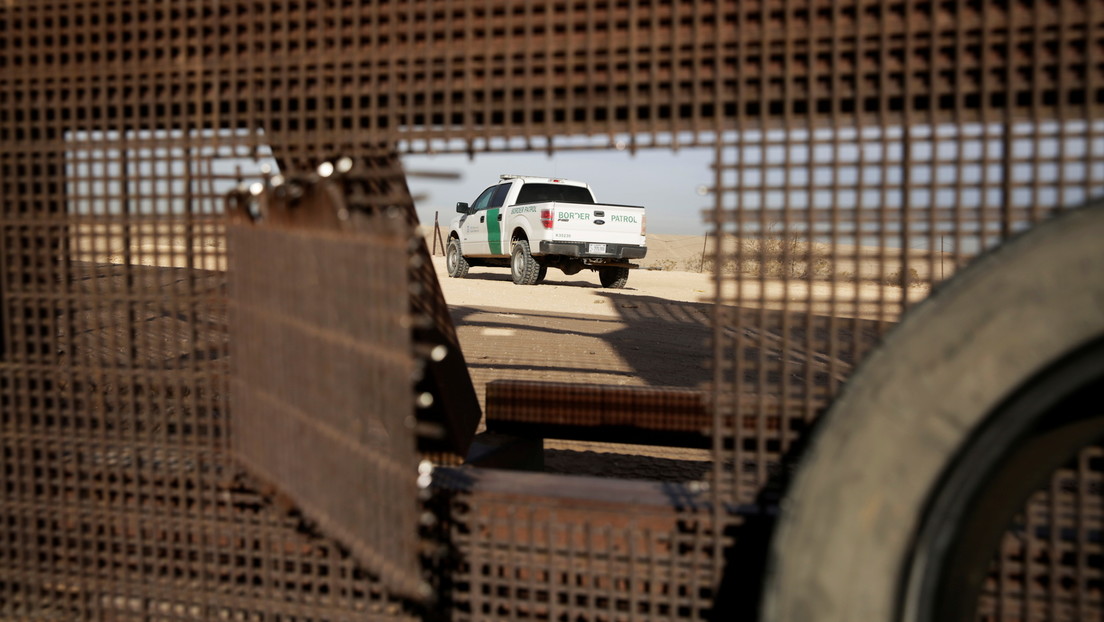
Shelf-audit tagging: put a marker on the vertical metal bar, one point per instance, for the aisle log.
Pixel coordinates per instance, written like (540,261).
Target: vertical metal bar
(310,69)
(652,59)
(984,93)
(633,86)
(938,128)
(1029,564)
(1054,519)
(835,98)
(959,119)
(862,132)
(552,14)
(414,71)
(676,71)
(786,235)
(1033,126)
(591,97)
(1090,84)
(887,136)
(762,324)
(1083,527)
(908,155)
(531,567)
(633,583)
(589,571)
(492,62)
(528,75)
(734,409)
(696,78)
(613,53)
(571,568)
(1008,160)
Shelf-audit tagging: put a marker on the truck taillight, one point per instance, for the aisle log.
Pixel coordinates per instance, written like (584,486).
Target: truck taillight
(644,225)
(546,218)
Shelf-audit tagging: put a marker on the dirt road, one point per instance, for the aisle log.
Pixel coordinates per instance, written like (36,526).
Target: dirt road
(654,332)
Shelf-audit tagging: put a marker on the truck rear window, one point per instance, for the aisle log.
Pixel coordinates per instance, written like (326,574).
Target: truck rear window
(543,193)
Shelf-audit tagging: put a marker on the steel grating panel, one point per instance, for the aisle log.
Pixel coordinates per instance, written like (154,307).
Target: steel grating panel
(119,497)
(120,500)
(834,226)
(553,547)
(1048,566)
(321,394)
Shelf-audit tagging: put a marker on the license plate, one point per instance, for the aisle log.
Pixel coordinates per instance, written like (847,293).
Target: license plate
(596,248)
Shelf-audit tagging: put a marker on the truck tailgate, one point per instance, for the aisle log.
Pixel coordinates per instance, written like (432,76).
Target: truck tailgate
(614,224)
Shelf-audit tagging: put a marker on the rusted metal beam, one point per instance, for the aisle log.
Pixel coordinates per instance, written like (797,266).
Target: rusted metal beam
(668,416)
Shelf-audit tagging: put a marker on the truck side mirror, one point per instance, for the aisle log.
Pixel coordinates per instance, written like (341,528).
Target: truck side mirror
(462,208)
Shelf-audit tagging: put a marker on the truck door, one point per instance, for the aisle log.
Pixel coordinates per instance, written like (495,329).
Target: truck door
(483,229)
(473,227)
(496,223)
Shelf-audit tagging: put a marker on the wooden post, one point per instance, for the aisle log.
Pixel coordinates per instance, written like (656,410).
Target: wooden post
(437,235)
(705,242)
(435,225)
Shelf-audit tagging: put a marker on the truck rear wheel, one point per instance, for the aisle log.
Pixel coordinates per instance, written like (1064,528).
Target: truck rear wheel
(898,505)
(455,263)
(543,272)
(614,278)
(523,268)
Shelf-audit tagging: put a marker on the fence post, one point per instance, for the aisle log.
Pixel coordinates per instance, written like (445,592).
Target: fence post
(437,236)
(705,242)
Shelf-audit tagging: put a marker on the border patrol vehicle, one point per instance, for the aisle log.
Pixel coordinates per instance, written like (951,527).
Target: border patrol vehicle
(531,224)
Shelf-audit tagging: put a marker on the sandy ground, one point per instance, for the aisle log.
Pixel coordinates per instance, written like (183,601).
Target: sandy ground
(580,293)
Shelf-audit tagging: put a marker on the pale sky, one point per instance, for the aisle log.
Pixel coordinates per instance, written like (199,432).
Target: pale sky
(666,183)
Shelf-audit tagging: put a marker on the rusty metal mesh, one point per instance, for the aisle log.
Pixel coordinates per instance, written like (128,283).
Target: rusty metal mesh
(120,499)
(548,547)
(865,150)
(887,145)
(1048,566)
(321,391)
(886,156)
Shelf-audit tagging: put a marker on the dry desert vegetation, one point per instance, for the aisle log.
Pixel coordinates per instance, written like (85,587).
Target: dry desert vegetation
(777,256)
(201,244)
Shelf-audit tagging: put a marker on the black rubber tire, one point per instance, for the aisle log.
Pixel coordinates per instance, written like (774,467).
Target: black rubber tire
(455,264)
(523,268)
(543,272)
(846,547)
(613,278)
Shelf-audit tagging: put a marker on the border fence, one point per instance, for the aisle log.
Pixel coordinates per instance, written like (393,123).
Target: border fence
(229,385)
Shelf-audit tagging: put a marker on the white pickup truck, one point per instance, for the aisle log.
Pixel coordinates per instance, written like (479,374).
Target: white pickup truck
(532,224)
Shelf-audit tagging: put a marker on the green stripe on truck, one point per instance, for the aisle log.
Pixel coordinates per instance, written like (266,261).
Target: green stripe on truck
(494,231)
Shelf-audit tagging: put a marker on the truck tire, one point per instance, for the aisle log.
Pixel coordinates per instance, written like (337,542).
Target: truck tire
(455,263)
(543,272)
(897,507)
(523,268)
(614,278)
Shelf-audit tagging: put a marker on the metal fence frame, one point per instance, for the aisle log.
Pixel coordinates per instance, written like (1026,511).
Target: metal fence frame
(854,142)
